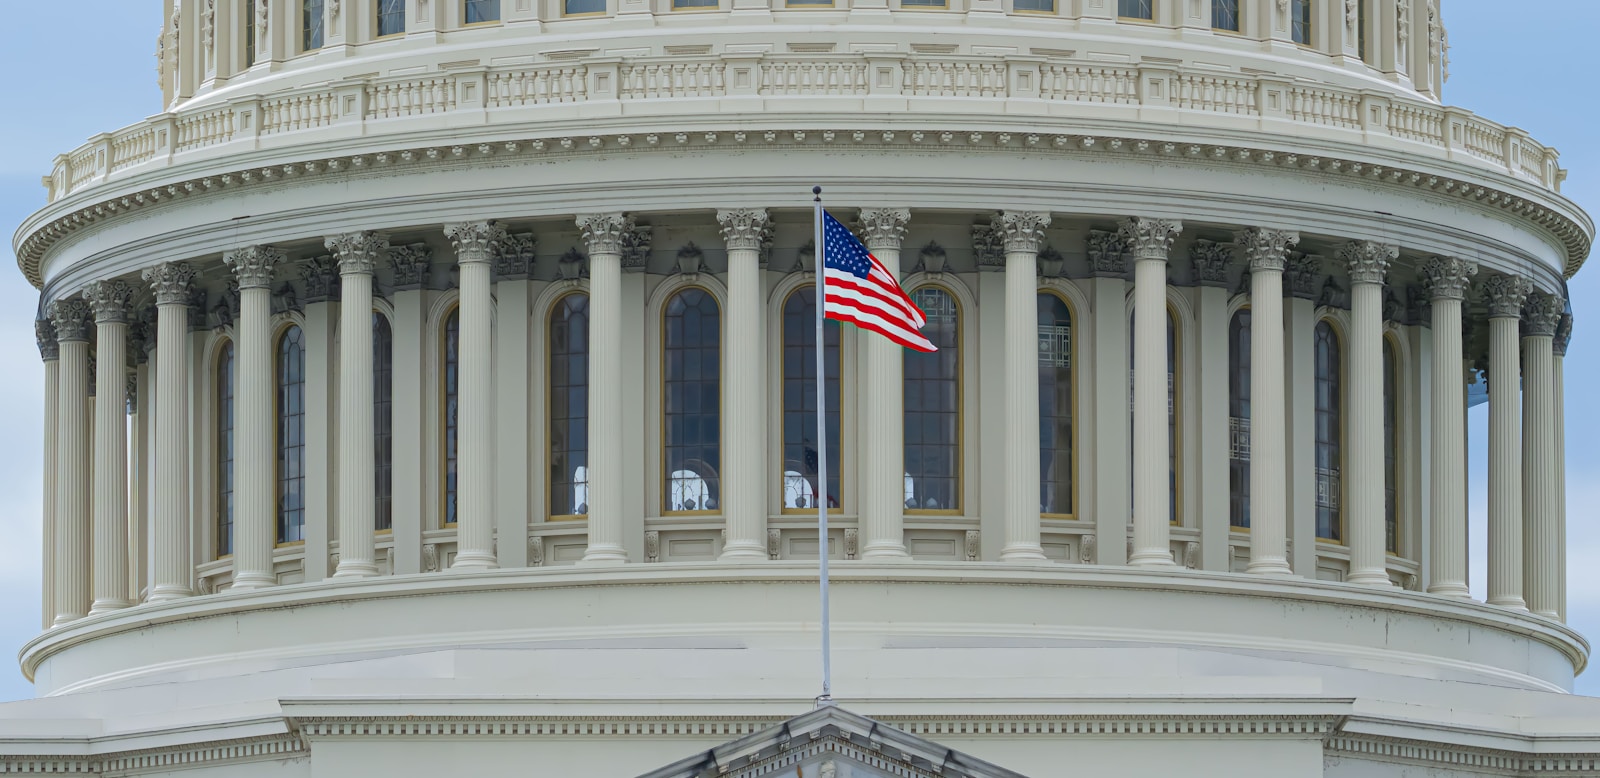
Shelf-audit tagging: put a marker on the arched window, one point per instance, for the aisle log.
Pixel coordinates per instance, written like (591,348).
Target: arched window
(1329,382)
(1174,403)
(1136,9)
(391,17)
(1057,405)
(225,450)
(1391,450)
(451,348)
(291,435)
(800,402)
(933,407)
(692,402)
(478,11)
(1239,419)
(1300,21)
(382,422)
(569,406)
(311,21)
(1225,15)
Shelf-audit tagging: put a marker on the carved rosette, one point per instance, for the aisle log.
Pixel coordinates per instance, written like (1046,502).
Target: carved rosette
(110,301)
(44,333)
(71,320)
(882,228)
(171,282)
(744,229)
(1448,278)
(603,232)
(321,278)
(1368,261)
(1211,262)
(474,241)
(411,265)
(1541,314)
(1149,238)
(1021,231)
(514,257)
(1107,253)
(1563,335)
(357,252)
(253,265)
(988,247)
(1505,295)
(1266,249)
(1300,275)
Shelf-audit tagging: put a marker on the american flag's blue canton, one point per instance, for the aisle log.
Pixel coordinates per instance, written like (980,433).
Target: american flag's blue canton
(843,251)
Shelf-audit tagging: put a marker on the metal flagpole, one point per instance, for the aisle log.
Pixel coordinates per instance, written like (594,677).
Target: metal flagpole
(820,494)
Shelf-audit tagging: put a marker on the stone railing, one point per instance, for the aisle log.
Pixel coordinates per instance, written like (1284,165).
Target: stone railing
(1032,88)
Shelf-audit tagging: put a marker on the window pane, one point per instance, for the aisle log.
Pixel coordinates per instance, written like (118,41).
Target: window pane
(1225,15)
(1361,28)
(452,386)
(932,410)
(569,406)
(383,421)
(692,402)
(1056,406)
(1391,444)
(482,11)
(311,19)
(1329,433)
(585,7)
(1300,21)
(250,32)
(1135,9)
(225,450)
(800,402)
(1043,6)
(694,3)
(391,17)
(291,436)
(1239,419)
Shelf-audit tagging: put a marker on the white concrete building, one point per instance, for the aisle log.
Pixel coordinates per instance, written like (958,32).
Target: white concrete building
(429,392)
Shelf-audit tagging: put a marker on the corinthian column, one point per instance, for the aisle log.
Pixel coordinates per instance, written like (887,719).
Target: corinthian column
(744,504)
(475,244)
(1540,315)
(1150,240)
(254,533)
(110,303)
(1368,263)
(71,320)
(357,254)
(605,234)
(1506,295)
(49,351)
(1559,352)
(1448,279)
(1023,233)
(883,494)
(169,530)
(1267,250)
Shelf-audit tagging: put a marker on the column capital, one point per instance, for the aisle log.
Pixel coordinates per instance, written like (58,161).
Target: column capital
(70,318)
(1106,250)
(1021,230)
(605,233)
(1541,314)
(171,282)
(253,265)
(1448,278)
(1368,261)
(411,264)
(746,229)
(1506,295)
(44,332)
(110,301)
(357,252)
(882,228)
(1301,273)
(474,241)
(1563,335)
(1211,260)
(1149,238)
(1266,249)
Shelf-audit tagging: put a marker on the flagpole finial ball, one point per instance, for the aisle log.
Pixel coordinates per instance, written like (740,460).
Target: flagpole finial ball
(816,190)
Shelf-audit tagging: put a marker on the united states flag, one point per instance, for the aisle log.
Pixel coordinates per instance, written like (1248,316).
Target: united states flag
(859,290)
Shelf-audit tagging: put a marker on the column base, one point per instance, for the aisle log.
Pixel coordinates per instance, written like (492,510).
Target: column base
(475,560)
(1023,553)
(1151,558)
(106,606)
(743,551)
(1278,567)
(1455,589)
(244,581)
(1378,578)
(356,569)
(168,593)
(886,552)
(604,554)
(1509,603)
(63,619)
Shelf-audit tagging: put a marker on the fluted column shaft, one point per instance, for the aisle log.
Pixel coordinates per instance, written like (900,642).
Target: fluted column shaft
(357,254)
(1558,390)
(744,481)
(71,319)
(109,300)
(1150,240)
(1506,294)
(1368,263)
(1023,233)
(255,533)
(475,243)
(1267,251)
(50,352)
(605,234)
(1448,280)
(169,526)
(1540,548)
(882,433)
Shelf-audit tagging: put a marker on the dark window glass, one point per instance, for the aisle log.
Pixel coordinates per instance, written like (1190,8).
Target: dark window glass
(1361,28)
(391,17)
(584,7)
(1225,15)
(1239,419)
(383,421)
(800,402)
(692,402)
(694,3)
(569,406)
(1042,6)
(452,396)
(250,32)
(923,3)
(225,450)
(1056,406)
(291,436)
(311,20)
(1172,414)
(1391,446)
(932,387)
(1136,9)
(1300,21)
(1329,433)
(482,11)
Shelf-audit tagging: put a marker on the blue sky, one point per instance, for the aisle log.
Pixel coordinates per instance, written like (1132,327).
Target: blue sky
(1520,67)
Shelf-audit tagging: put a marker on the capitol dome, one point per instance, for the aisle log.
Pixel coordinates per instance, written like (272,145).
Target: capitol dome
(430,390)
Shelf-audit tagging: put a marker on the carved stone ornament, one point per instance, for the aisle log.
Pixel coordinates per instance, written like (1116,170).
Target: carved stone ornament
(226,310)
(774,544)
(1022,231)
(170,281)
(1266,249)
(882,228)
(603,232)
(652,546)
(1563,335)
(744,229)
(475,241)
(333,10)
(572,266)
(1150,238)
(1541,314)
(1448,278)
(636,247)
(1393,309)
(197,310)
(357,252)
(1051,262)
(513,258)
(208,25)
(1107,254)
(1334,295)
(1350,14)
(1419,306)
(1300,275)
(1211,262)
(852,543)
(141,335)
(285,299)
(1505,295)
(254,265)
(933,259)
(130,393)
(430,558)
(320,278)
(536,552)
(1086,549)
(988,247)
(1368,261)
(411,265)
(333,560)
(1191,555)
(691,260)
(44,333)
(110,301)
(973,540)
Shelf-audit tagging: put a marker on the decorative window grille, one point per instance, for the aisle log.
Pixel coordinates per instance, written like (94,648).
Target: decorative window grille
(932,392)
(692,401)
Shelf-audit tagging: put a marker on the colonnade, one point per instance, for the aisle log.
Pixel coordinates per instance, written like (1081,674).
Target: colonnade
(86,529)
